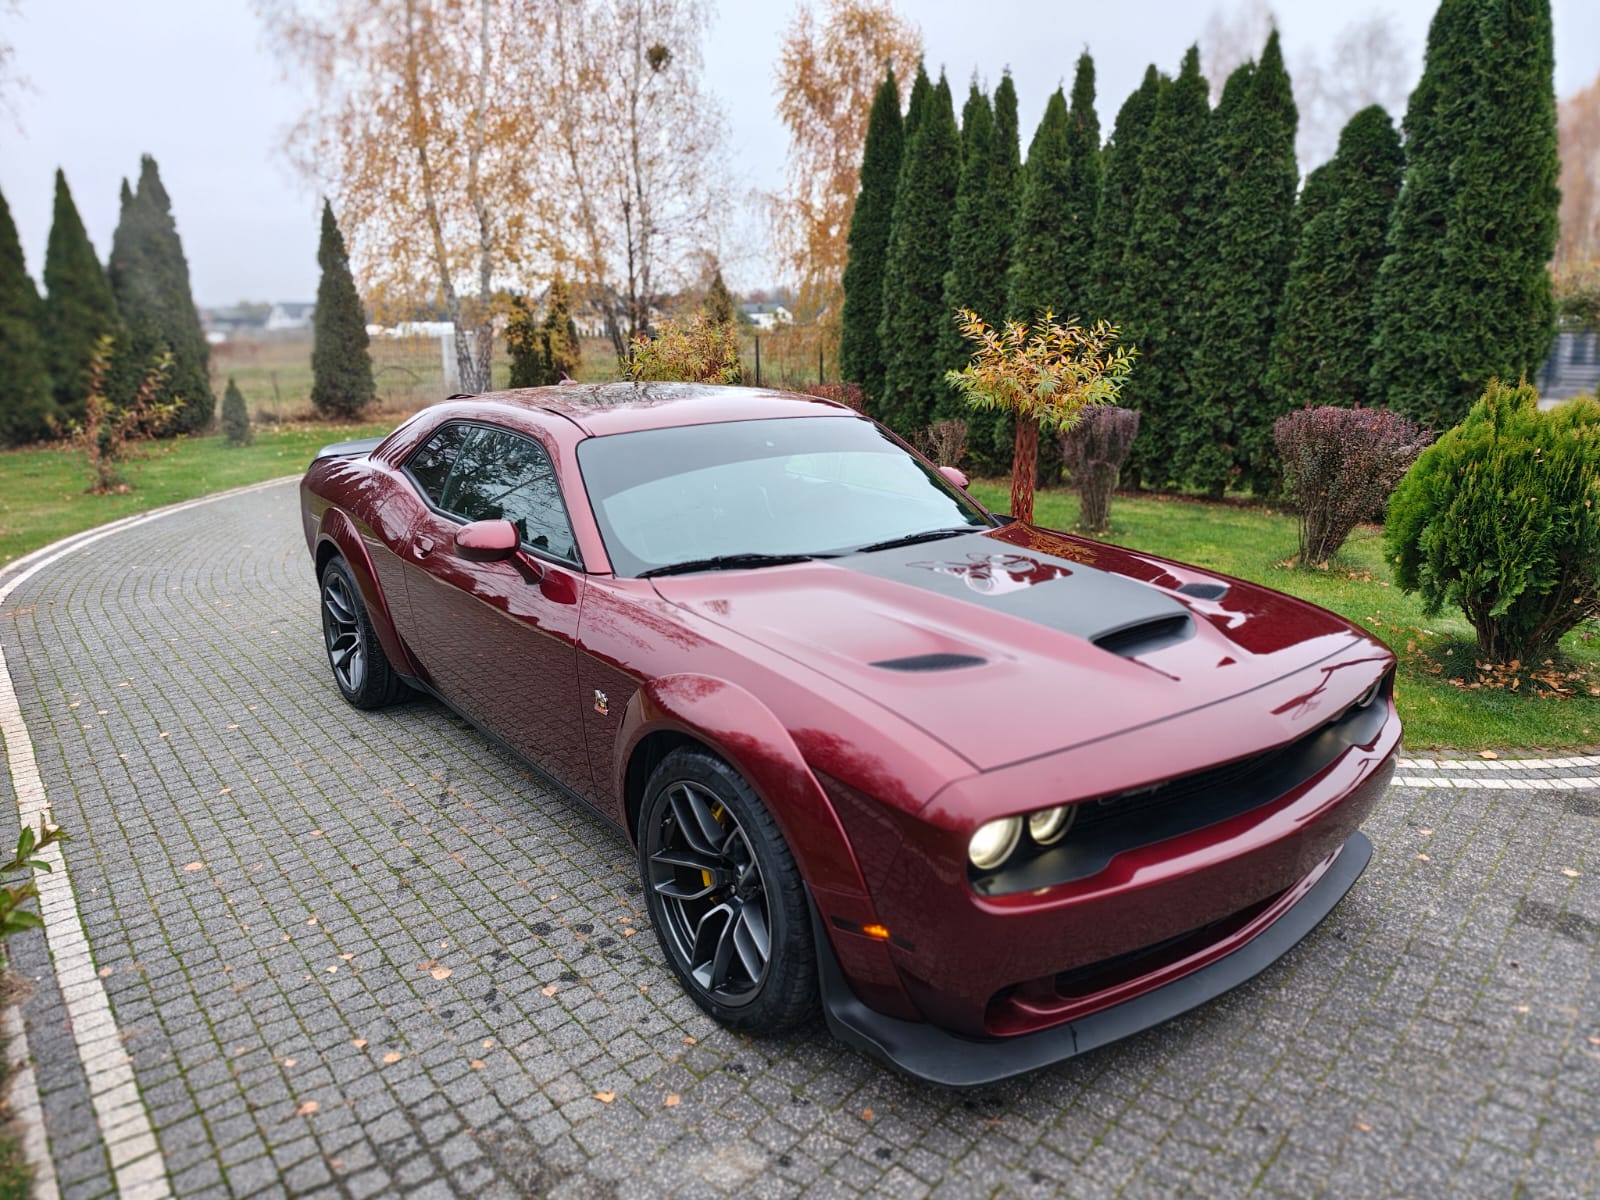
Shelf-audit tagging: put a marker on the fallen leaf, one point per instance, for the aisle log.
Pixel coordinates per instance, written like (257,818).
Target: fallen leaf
(488,1043)
(1487,754)
(1425,832)
(194,866)
(393,1057)
(427,964)
(106,972)
(315,833)
(289,1062)
(225,792)
(312,921)
(548,991)
(306,1109)
(605,1097)
(477,1064)
(1424,858)
(672,1101)
(359,1043)
(1594,1041)
(333,970)
(1364,1127)
(1570,873)
(866,1114)
(689,1041)
(441,972)
(629,932)
(1522,1008)
(346,957)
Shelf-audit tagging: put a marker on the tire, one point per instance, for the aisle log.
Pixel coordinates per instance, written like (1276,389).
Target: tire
(725,896)
(360,667)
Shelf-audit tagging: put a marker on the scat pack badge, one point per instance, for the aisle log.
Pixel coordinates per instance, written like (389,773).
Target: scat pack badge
(600,703)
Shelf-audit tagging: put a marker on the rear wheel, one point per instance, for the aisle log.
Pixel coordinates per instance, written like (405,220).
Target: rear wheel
(360,667)
(725,895)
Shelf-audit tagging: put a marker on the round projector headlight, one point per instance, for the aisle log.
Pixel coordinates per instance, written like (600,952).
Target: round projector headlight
(1049,825)
(994,842)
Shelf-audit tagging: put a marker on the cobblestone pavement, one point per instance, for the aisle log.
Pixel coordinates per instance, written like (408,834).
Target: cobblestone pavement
(366,954)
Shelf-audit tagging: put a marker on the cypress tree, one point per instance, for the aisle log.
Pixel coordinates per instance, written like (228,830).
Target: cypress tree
(1320,345)
(150,280)
(1230,427)
(860,356)
(341,366)
(1414,298)
(1502,223)
(530,359)
(78,309)
(919,256)
(719,304)
(235,416)
(562,349)
(977,239)
(1164,267)
(1118,193)
(27,411)
(1039,266)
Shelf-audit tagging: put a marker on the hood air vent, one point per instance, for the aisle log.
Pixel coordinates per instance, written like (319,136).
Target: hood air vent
(1204,591)
(931,662)
(1146,636)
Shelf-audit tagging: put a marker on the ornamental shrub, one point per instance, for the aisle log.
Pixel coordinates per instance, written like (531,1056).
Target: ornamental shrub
(1500,517)
(1339,466)
(1094,450)
(695,351)
(944,442)
(235,416)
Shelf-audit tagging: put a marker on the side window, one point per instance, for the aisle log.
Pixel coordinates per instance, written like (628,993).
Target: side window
(430,465)
(499,475)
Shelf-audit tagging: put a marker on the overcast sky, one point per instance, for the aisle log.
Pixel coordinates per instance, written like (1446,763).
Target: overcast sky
(193,84)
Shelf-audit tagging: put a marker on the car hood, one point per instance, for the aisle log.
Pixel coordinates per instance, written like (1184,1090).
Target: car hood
(1011,643)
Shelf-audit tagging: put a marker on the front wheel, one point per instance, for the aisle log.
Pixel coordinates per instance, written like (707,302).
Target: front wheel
(360,667)
(725,896)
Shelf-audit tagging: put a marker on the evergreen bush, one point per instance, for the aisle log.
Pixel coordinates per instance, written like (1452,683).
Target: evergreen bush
(1339,467)
(1094,450)
(27,410)
(1501,518)
(235,416)
(860,355)
(341,365)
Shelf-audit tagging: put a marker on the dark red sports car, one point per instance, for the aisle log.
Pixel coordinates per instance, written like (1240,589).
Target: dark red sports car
(989,794)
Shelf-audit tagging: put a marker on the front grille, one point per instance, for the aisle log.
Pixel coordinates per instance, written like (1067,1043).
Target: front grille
(1110,825)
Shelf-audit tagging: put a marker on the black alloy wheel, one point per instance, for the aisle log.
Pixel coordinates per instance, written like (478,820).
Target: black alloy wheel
(360,667)
(725,896)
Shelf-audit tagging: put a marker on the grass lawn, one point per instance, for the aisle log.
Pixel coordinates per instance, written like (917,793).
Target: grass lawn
(42,494)
(1444,699)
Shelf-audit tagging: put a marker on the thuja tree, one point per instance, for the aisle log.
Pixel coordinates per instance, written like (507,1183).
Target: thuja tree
(977,238)
(919,256)
(341,364)
(1228,432)
(1501,518)
(235,416)
(1164,266)
(150,280)
(1320,347)
(544,351)
(78,309)
(1044,374)
(27,412)
(1118,193)
(860,355)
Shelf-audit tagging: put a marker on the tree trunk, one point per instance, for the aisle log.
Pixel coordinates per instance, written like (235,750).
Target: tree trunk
(1024,464)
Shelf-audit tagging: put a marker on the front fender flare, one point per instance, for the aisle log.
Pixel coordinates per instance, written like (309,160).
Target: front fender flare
(338,531)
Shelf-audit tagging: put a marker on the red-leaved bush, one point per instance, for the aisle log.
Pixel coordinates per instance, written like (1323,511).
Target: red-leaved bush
(1339,467)
(848,394)
(1094,450)
(944,441)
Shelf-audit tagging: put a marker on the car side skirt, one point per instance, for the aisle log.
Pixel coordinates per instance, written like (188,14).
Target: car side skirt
(937,1056)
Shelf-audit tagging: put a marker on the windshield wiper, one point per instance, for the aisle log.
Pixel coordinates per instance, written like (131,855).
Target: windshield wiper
(911,539)
(729,562)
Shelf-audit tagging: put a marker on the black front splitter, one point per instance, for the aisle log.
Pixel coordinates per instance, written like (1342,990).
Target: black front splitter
(938,1056)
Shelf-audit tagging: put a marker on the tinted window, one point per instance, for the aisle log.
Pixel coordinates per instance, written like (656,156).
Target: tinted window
(498,475)
(430,466)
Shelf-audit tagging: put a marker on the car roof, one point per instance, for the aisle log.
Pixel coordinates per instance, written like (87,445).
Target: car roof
(605,408)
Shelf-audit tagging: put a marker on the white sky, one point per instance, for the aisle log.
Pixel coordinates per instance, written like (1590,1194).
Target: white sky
(193,84)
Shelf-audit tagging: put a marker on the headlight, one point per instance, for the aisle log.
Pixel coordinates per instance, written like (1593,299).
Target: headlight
(1047,826)
(994,842)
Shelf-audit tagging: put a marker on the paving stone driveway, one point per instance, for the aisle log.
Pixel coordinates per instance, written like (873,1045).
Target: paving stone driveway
(367,955)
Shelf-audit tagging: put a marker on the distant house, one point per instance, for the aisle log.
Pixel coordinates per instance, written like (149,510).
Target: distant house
(285,318)
(767,316)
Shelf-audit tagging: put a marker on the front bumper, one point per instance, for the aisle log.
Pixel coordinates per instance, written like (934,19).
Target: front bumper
(938,1056)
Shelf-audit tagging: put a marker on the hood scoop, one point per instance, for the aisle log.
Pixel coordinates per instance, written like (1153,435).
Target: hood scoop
(1145,637)
(917,663)
(1204,591)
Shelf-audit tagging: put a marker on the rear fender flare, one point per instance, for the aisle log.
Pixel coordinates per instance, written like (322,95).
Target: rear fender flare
(338,534)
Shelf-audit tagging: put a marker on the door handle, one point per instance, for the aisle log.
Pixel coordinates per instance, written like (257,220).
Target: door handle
(424,546)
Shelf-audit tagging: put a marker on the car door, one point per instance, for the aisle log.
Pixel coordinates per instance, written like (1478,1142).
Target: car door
(498,640)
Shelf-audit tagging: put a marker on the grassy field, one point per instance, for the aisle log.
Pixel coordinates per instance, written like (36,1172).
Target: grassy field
(42,494)
(1443,696)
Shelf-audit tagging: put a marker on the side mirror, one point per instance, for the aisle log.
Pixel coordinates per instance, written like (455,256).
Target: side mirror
(487,541)
(955,475)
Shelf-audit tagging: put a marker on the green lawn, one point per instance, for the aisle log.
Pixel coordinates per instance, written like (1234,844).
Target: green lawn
(42,494)
(1256,543)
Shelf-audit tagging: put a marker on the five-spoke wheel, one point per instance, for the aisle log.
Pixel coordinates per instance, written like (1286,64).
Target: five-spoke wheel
(725,896)
(360,667)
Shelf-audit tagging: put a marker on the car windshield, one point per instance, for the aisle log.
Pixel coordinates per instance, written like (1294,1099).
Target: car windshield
(785,488)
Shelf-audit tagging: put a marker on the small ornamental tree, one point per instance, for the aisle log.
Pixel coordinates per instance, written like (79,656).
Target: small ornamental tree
(695,351)
(1094,450)
(1044,374)
(341,365)
(1339,466)
(235,416)
(529,367)
(110,431)
(1501,517)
